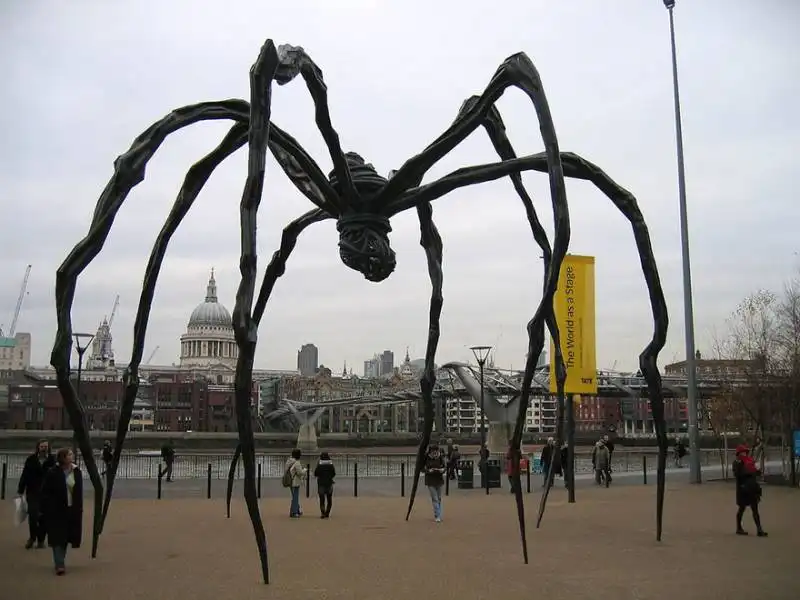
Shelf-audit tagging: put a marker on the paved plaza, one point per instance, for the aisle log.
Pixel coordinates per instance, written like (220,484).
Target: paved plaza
(602,546)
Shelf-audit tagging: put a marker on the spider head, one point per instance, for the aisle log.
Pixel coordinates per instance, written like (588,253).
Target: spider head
(364,245)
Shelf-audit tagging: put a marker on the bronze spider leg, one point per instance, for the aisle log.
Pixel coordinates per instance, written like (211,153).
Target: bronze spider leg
(195,179)
(275,269)
(294,61)
(128,172)
(579,168)
(517,71)
(431,241)
(495,128)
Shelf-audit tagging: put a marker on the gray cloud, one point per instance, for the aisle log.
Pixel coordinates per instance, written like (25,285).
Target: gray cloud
(79,85)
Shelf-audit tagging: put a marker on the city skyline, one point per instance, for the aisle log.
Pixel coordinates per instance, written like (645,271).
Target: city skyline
(615,109)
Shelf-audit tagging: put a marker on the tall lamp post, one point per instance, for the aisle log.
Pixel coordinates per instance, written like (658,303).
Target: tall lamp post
(481,354)
(82,341)
(695,474)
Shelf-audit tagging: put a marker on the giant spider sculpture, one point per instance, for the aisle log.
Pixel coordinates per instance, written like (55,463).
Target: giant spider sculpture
(362,202)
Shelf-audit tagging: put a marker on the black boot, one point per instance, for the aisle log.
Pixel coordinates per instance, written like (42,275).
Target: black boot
(739,530)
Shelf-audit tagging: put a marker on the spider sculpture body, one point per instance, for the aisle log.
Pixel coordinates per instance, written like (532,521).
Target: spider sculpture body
(362,202)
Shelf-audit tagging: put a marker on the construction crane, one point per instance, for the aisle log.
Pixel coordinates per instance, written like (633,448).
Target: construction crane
(113,311)
(22,292)
(152,354)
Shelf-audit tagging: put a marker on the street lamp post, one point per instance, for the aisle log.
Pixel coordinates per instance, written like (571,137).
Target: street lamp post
(82,341)
(481,354)
(695,474)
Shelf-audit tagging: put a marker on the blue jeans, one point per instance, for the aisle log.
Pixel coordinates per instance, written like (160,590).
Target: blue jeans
(294,508)
(436,499)
(59,556)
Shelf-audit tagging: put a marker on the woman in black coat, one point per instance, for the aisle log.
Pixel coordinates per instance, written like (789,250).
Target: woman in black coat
(62,507)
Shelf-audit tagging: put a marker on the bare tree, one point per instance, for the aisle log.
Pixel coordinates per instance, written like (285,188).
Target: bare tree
(788,338)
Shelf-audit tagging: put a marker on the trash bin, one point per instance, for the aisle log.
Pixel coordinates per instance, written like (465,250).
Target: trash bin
(493,472)
(466,474)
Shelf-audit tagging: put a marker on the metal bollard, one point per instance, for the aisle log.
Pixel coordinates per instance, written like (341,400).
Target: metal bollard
(160,477)
(3,481)
(446,483)
(258,481)
(644,469)
(308,481)
(402,480)
(528,476)
(208,489)
(355,480)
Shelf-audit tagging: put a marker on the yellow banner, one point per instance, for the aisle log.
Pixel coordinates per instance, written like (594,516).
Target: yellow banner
(574,308)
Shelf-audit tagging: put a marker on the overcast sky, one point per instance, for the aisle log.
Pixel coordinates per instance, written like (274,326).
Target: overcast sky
(82,79)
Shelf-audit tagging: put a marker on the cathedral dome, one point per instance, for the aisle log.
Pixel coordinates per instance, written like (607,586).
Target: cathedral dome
(210,313)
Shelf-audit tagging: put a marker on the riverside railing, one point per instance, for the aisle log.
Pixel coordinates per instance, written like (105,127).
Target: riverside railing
(271,465)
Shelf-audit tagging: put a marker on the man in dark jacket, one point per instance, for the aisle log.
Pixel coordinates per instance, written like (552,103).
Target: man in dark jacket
(30,484)
(325,472)
(168,454)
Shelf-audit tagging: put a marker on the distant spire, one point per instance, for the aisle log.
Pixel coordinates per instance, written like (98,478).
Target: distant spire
(344,370)
(211,290)
(408,359)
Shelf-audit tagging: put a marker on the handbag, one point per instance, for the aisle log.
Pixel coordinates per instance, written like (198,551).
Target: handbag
(20,510)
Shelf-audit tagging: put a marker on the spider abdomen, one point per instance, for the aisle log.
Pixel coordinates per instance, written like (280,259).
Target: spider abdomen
(364,245)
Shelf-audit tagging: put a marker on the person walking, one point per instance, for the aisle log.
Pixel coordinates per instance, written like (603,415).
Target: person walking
(601,460)
(62,507)
(748,490)
(325,472)
(30,486)
(546,459)
(107,456)
(434,479)
(294,475)
(168,455)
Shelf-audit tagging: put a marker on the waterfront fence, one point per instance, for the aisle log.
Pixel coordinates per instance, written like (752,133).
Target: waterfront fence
(196,466)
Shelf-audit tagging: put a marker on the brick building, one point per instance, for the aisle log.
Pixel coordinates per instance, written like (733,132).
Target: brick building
(176,405)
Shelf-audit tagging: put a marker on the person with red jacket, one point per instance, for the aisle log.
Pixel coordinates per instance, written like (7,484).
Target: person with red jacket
(748,490)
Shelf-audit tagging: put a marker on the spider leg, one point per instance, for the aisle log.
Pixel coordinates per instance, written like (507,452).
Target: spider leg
(516,71)
(495,128)
(302,170)
(129,171)
(195,179)
(294,61)
(579,168)
(276,268)
(431,241)
(245,330)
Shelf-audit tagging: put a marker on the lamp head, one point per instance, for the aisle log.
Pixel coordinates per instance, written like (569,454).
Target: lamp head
(670,4)
(481,353)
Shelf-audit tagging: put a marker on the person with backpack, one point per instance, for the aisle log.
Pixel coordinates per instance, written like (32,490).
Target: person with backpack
(293,476)
(325,472)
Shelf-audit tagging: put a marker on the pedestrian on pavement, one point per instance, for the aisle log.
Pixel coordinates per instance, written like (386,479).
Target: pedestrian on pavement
(325,472)
(107,456)
(748,490)
(610,445)
(62,507)
(483,460)
(168,455)
(601,461)
(566,467)
(452,462)
(30,486)
(295,474)
(434,479)
(680,453)
(546,459)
